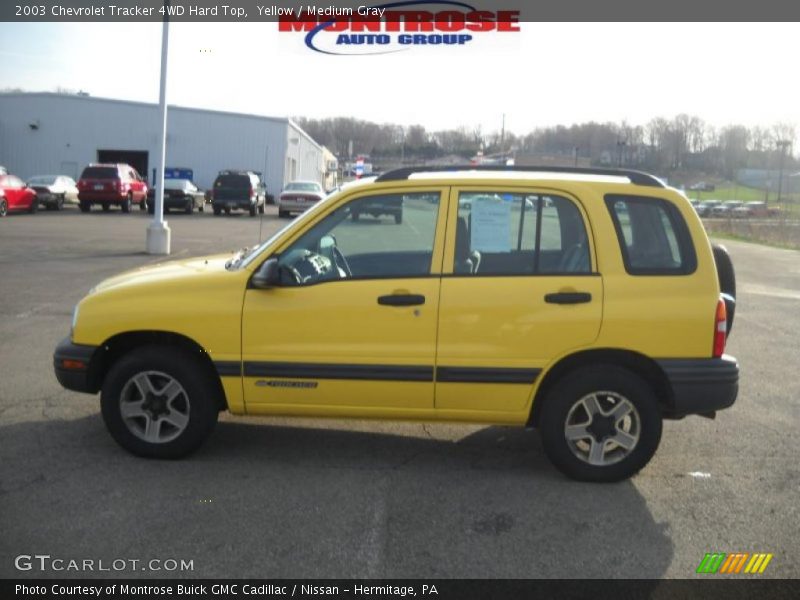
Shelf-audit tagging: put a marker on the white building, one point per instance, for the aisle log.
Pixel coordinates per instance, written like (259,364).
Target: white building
(45,133)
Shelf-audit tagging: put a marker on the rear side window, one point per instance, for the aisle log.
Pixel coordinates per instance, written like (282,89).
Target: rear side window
(506,234)
(99,173)
(653,236)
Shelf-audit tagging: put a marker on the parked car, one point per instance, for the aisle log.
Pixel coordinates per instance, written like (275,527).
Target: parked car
(725,209)
(542,316)
(111,184)
(702,186)
(706,208)
(180,194)
(242,190)
(751,209)
(17,196)
(299,196)
(53,191)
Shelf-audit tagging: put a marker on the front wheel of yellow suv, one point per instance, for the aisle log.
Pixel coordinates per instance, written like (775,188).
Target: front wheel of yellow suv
(158,402)
(600,424)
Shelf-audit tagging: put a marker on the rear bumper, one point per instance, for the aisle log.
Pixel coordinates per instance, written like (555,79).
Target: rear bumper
(243,204)
(72,364)
(110,197)
(701,386)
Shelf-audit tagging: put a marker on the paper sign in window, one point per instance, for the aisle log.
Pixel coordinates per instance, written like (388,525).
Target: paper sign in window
(491,223)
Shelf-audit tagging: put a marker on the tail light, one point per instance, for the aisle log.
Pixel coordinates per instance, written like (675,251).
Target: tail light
(720,329)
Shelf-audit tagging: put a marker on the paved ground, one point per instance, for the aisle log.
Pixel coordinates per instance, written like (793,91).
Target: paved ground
(272,497)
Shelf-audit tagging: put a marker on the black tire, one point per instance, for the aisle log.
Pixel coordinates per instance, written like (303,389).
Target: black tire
(202,207)
(143,204)
(217,210)
(85,206)
(227,210)
(283,214)
(568,393)
(3,207)
(59,205)
(727,281)
(189,208)
(252,210)
(127,203)
(199,401)
(106,207)
(398,218)
(34,206)
(261,209)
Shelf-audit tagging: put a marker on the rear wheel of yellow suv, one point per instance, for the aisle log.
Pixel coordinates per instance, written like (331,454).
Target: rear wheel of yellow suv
(158,402)
(600,423)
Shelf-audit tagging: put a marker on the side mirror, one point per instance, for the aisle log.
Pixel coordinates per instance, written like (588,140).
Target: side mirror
(267,276)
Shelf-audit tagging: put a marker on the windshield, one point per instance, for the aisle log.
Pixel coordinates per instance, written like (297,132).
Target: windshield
(42,180)
(232,181)
(303,186)
(254,252)
(177,184)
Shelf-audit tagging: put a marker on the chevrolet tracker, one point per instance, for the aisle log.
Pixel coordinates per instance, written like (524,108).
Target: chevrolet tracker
(586,303)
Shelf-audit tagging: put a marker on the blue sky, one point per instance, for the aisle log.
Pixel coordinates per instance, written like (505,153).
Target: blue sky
(548,73)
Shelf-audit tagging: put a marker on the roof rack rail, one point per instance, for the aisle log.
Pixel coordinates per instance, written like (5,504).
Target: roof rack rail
(636,177)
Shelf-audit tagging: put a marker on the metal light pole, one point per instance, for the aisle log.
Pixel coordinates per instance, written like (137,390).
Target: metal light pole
(158,233)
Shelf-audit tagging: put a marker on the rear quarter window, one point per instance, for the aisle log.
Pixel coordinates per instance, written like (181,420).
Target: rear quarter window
(653,236)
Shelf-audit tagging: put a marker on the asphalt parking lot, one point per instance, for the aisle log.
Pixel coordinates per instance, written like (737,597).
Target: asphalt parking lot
(316,498)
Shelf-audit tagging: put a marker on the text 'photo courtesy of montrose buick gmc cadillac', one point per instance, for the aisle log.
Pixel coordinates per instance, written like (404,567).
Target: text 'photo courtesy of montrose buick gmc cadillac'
(586,303)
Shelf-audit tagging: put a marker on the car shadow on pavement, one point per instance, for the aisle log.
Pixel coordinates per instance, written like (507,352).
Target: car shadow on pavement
(267,500)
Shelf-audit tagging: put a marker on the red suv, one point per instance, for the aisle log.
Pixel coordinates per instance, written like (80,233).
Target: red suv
(15,195)
(107,184)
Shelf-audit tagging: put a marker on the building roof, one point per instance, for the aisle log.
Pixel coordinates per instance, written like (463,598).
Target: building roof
(81,98)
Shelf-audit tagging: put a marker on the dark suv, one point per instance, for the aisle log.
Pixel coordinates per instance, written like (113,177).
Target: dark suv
(107,184)
(238,189)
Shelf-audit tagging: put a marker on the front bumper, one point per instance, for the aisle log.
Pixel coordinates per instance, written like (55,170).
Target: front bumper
(73,366)
(701,386)
(295,205)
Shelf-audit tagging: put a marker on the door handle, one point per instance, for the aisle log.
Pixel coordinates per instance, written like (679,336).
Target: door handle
(401,300)
(568,298)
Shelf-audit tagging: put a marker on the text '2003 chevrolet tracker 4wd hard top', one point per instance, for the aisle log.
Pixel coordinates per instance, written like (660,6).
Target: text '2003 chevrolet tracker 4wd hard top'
(586,303)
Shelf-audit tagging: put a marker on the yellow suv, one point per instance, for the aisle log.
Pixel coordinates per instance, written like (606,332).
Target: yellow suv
(587,303)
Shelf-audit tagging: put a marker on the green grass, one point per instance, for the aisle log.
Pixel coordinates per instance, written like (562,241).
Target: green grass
(731,191)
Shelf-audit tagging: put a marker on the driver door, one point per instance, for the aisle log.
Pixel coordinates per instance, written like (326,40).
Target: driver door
(352,326)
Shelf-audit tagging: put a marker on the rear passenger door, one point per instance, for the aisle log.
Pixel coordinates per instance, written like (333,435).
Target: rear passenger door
(519,289)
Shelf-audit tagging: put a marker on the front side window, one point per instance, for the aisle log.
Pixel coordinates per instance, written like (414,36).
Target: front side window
(653,236)
(374,237)
(519,234)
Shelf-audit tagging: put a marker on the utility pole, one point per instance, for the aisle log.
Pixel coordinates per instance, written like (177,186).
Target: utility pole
(158,233)
(620,145)
(503,135)
(782,146)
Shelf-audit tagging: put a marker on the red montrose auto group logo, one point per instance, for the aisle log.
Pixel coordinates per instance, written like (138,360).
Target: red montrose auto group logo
(393,27)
